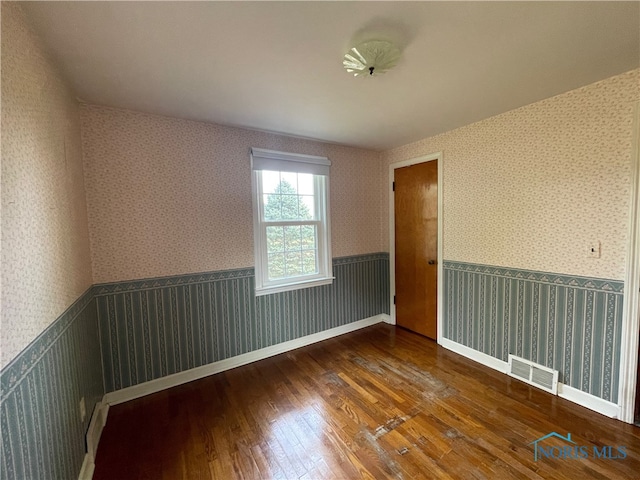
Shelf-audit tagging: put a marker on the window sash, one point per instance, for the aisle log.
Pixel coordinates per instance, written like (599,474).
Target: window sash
(290,278)
(324,274)
(320,203)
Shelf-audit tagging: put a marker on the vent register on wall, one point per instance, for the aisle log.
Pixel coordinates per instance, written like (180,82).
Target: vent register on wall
(536,374)
(536,323)
(533,374)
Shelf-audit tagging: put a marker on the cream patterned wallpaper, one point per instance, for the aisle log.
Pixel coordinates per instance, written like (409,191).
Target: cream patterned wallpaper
(169,196)
(45,241)
(531,188)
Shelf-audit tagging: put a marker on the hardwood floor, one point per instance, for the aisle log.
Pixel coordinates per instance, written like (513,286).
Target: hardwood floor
(377,403)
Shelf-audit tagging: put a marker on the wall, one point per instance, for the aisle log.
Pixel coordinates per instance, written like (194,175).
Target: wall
(568,323)
(526,189)
(169,196)
(43,435)
(531,188)
(49,343)
(525,193)
(153,328)
(45,247)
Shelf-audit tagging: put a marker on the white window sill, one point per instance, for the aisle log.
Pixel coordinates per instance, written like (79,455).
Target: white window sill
(293,286)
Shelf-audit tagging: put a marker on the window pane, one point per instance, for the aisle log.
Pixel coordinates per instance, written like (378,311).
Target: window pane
(289,182)
(272,207)
(275,266)
(292,238)
(290,207)
(306,207)
(293,263)
(308,237)
(275,239)
(270,181)
(305,184)
(309,264)
(281,200)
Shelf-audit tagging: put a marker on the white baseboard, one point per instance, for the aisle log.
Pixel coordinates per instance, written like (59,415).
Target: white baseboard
(88,466)
(475,355)
(564,391)
(98,421)
(96,425)
(387,319)
(157,385)
(589,401)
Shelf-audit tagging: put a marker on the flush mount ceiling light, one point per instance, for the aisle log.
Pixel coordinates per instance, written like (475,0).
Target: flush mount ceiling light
(371,58)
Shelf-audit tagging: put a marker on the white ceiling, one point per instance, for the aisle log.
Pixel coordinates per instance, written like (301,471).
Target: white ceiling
(277,66)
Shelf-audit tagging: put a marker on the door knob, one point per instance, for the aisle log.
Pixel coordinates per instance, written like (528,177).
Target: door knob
(432,262)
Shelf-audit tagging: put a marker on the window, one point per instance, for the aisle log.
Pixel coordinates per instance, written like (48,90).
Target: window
(291,221)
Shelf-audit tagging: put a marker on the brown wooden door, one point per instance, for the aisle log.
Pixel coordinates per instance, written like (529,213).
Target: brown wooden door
(416,240)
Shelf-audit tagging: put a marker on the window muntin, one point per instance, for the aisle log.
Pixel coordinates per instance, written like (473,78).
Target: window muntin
(291,221)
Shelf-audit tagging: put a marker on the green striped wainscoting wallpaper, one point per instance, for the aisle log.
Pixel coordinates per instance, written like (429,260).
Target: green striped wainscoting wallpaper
(571,324)
(43,436)
(153,328)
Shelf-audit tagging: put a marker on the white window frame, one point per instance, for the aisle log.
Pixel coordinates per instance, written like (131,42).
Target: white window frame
(262,159)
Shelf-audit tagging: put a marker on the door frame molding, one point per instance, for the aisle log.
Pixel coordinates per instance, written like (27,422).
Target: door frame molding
(631,300)
(392,238)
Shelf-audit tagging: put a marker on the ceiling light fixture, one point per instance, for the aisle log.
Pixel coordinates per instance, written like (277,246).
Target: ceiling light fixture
(371,58)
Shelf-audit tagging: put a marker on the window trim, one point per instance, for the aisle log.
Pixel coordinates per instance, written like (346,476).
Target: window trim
(262,159)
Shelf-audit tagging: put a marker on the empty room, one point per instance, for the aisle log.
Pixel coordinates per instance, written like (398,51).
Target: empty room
(320,240)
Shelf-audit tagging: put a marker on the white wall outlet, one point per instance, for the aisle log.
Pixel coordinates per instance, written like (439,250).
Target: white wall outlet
(594,250)
(83,409)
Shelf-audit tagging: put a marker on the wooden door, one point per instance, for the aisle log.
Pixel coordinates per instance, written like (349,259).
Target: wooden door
(416,242)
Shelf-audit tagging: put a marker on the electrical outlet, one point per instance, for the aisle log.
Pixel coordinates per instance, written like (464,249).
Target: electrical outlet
(83,409)
(594,250)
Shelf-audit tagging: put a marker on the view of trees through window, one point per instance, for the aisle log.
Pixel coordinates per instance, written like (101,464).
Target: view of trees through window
(291,249)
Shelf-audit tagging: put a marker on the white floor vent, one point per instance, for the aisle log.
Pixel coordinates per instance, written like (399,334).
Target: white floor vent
(533,374)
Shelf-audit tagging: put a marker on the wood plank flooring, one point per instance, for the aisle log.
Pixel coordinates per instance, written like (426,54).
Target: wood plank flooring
(377,403)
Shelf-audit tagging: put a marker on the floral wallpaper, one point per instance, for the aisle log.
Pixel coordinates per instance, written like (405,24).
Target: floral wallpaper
(45,241)
(533,187)
(530,188)
(168,196)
